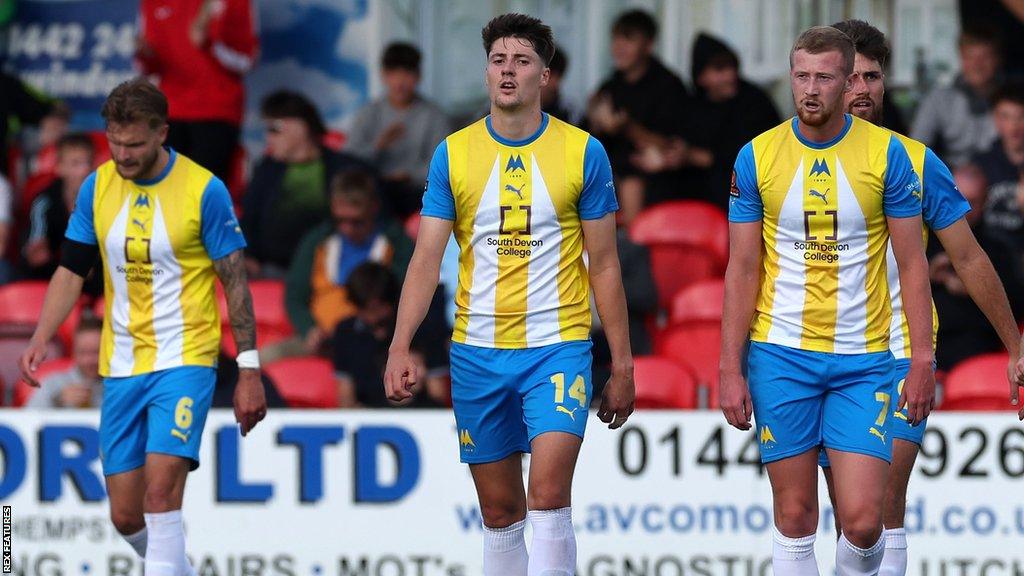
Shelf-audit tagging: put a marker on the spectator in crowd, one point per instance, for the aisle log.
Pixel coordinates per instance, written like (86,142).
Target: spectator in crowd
(288,193)
(639,114)
(200,50)
(727,113)
(52,128)
(956,121)
(398,132)
(963,329)
(361,345)
(551,93)
(6,225)
(1008,17)
(81,386)
(316,297)
(17,101)
(49,212)
(1002,165)
(641,303)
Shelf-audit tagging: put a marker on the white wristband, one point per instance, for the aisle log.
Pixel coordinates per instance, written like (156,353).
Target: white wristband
(248,359)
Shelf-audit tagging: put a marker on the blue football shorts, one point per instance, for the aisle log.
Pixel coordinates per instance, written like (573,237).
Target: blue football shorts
(803,400)
(901,427)
(503,399)
(161,412)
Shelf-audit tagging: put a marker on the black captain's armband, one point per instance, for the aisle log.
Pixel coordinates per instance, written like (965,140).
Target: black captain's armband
(78,256)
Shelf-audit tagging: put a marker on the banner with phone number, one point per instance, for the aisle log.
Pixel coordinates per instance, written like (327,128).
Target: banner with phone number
(381,493)
(74,50)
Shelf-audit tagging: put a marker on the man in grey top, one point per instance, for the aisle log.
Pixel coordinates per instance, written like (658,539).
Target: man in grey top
(398,132)
(81,386)
(956,121)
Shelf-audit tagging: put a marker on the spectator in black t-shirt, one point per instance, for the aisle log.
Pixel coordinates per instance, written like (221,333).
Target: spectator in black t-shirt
(551,93)
(361,344)
(727,113)
(17,101)
(639,114)
(1002,165)
(49,212)
(963,329)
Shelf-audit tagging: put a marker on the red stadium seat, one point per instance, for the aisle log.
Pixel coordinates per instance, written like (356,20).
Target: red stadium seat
(236,174)
(22,391)
(699,302)
(688,241)
(305,382)
(334,140)
(697,346)
(663,383)
(21,304)
(978,383)
(272,324)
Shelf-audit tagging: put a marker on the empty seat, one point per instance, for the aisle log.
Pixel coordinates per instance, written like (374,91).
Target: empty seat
(688,240)
(699,302)
(305,382)
(697,346)
(663,383)
(978,383)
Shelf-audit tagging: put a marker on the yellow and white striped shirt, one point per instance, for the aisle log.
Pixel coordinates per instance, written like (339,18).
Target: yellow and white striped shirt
(517,207)
(824,206)
(157,239)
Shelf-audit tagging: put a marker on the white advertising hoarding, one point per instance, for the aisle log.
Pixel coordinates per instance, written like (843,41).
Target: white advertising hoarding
(381,493)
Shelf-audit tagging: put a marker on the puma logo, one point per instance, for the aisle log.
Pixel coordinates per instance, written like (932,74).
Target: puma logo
(874,432)
(564,410)
(138,223)
(183,436)
(822,195)
(518,191)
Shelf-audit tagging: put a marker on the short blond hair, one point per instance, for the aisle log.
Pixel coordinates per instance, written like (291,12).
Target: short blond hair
(820,39)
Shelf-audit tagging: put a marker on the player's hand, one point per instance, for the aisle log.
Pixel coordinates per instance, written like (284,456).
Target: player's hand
(30,360)
(618,398)
(399,376)
(1016,381)
(734,398)
(250,400)
(918,393)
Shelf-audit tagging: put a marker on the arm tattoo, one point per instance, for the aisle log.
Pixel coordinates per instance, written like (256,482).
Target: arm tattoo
(231,270)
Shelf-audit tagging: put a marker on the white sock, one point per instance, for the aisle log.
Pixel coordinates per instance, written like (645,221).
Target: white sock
(854,561)
(137,541)
(894,562)
(793,556)
(505,550)
(165,549)
(553,550)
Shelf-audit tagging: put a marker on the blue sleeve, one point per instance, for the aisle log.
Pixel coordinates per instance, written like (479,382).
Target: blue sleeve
(438,200)
(942,204)
(902,196)
(598,195)
(221,232)
(744,197)
(81,226)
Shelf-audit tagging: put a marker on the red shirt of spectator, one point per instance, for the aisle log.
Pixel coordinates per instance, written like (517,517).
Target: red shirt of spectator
(199,49)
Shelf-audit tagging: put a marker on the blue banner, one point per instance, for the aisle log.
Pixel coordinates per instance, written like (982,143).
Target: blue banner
(74,50)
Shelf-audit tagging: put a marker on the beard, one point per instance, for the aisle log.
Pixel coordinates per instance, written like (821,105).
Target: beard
(144,166)
(816,118)
(872,114)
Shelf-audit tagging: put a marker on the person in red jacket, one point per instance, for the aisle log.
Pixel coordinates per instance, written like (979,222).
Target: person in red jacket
(200,50)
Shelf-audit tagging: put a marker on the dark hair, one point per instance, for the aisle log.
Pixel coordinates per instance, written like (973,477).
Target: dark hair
(76,140)
(89,323)
(136,100)
(287,104)
(355,187)
(635,22)
(401,56)
(1010,92)
(559,63)
(981,32)
(372,281)
(867,39)
(526,28)
(820,39)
